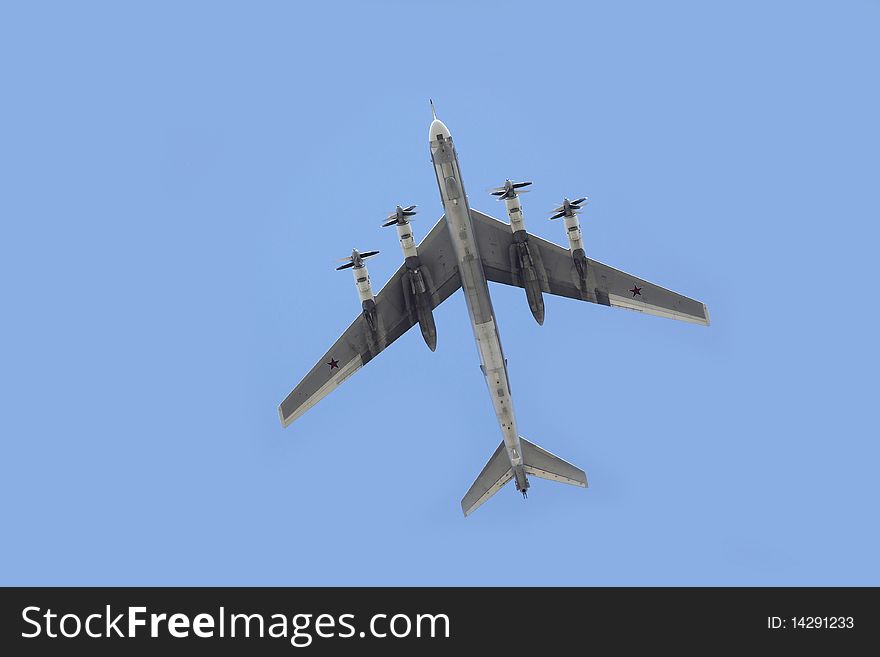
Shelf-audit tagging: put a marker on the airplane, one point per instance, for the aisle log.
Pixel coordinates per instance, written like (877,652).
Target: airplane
(466,249)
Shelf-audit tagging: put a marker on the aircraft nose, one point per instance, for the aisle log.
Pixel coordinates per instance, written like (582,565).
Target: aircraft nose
(437,128)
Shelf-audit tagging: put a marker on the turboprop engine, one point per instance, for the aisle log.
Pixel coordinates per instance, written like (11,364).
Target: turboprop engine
(416,288)
(355,262)
(523,260)
(569,212)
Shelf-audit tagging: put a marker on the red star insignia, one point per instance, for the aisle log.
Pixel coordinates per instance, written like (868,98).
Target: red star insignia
(334,364)
(636,291)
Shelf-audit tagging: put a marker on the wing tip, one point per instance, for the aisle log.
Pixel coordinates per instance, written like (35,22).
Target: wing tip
(285,421)
(706,314)
(468,510)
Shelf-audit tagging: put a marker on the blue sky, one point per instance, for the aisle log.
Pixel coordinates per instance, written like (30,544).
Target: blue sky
(178,180)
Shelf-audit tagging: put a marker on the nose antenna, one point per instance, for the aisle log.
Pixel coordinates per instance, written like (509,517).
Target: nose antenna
(433,111)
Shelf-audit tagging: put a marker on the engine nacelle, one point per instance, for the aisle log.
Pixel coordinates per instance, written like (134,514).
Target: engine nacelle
(365,293)
(573,232)
(418,300)
(514,213)
(530,269)
(576,246)
(416,282)
(407,243)
(362,282)
(523,261)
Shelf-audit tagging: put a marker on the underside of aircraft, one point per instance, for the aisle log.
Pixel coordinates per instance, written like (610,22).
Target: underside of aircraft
(464,250)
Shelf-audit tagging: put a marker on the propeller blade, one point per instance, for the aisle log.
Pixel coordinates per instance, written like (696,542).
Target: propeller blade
(389,222)
(499,193)
(347,265)
(369,254)
(558,215)
(410,208)
(521,184)
(579,201)
(407,213)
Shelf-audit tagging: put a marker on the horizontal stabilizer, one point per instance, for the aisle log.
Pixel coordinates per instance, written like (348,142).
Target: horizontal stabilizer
(535,461)
(490,480)
(541,463)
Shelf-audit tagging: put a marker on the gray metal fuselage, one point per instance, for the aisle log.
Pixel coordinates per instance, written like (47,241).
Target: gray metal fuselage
(476,292)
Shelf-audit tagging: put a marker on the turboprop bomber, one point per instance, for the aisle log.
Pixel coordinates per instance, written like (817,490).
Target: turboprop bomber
(466,249)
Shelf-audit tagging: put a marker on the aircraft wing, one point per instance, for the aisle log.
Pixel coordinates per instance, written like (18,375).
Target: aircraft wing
(605,285)
(358,345)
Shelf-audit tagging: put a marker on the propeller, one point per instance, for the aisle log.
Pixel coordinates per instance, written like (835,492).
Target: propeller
(510,189)
(356,259)
(568,208)
(400,216)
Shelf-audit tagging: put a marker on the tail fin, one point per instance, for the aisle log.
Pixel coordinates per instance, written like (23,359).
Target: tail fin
(536,461)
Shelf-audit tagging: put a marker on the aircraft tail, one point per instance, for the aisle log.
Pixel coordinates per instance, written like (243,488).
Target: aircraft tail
(541,463)
(536,461)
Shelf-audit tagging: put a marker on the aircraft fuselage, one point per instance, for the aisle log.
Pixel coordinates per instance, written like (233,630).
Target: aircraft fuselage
(476,292)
